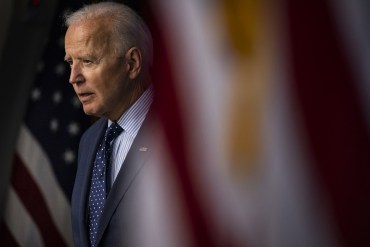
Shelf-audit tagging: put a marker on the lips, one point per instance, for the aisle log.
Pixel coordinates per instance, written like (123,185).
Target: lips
(84,97)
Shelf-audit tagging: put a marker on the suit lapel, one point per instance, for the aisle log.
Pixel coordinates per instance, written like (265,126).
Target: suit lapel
(83,177)
(134,161)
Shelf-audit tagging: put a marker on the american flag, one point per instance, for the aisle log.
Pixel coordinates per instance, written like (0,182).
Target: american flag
(289,83)
(37,211)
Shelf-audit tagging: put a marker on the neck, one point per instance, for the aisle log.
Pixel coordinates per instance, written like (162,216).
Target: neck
(135,90)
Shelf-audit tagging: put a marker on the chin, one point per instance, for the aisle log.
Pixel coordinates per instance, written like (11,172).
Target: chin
(90,112)
(93,111)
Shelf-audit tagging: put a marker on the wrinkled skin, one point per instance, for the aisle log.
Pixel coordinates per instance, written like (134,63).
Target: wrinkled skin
(102,80)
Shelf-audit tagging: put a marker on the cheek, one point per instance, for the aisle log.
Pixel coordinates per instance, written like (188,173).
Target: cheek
(117,79)
(107,81)
(106,88)
(96,81)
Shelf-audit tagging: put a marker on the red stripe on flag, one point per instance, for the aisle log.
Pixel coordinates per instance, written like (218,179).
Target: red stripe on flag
(168,105)
(7,238)
(326,91)
(33,200)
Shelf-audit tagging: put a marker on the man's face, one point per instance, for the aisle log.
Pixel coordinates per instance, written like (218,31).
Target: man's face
(99,77)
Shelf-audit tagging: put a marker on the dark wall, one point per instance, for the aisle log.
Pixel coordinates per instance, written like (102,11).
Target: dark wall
(23,32)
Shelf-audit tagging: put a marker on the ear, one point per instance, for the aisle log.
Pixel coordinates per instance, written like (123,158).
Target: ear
(134,61)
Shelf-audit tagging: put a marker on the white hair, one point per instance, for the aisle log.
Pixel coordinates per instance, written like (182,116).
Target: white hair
(127,27)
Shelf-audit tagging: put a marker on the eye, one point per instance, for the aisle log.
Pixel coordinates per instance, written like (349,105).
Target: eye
(87,61)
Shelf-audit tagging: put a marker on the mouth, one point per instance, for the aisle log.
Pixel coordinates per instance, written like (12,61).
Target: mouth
(84,97)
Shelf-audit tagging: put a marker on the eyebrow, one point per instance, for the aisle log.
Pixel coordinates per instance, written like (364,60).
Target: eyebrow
(90,56)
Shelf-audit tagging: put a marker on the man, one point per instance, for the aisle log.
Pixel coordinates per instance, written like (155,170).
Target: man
(109,49)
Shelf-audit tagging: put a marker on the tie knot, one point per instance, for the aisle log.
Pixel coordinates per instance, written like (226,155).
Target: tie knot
(112,132)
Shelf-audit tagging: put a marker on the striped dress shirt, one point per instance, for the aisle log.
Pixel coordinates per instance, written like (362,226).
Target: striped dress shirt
(131,122)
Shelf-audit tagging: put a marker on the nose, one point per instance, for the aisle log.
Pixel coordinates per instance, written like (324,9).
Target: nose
(76,74)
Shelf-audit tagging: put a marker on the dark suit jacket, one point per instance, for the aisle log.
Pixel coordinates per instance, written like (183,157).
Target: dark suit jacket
(116,222)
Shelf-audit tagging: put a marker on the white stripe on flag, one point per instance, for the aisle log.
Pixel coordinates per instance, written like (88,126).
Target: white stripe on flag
(352,20)
(19,222)
(295,213)
(160,214)
(200,83)
(200,75)
(39,167)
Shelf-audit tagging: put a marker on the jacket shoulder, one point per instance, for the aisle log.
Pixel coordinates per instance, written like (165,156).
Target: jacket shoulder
(95,127)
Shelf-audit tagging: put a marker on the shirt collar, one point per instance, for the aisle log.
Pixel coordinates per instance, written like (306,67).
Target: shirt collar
(133,118)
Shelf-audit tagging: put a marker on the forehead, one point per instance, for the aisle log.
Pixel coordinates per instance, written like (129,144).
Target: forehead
(92,36)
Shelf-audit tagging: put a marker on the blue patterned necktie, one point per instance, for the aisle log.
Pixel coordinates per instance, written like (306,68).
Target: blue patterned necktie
(99,184)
